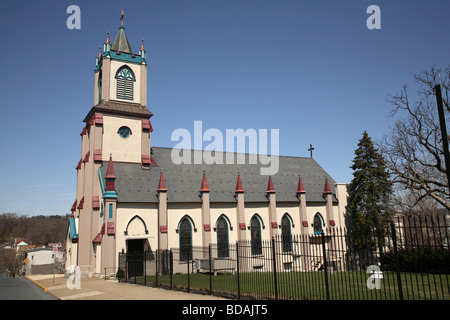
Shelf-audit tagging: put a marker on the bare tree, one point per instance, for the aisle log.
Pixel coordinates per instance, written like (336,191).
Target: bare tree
(413,149)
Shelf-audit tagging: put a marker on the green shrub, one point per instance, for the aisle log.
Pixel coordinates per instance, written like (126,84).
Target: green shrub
(422,260)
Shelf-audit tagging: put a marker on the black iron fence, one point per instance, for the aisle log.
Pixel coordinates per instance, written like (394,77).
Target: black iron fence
(410,259)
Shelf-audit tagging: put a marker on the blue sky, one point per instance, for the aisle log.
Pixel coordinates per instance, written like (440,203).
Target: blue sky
(311,69)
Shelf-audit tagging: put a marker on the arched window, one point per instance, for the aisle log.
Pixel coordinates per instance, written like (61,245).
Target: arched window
(185,232)
(223,250)
(99,86)
(286,235)
(125,83)
(255,234)
(318,223)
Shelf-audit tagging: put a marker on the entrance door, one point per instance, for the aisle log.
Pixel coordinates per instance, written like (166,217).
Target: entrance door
(135,257)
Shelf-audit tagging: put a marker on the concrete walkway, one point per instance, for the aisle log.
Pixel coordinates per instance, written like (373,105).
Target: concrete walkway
(97,289)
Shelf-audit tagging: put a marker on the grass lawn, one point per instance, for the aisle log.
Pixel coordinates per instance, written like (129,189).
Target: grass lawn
(350,285)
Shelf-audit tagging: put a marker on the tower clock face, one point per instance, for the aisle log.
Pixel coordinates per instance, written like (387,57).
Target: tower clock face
(124,132)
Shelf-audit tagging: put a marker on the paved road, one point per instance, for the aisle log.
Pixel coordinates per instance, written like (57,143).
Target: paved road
(21,289)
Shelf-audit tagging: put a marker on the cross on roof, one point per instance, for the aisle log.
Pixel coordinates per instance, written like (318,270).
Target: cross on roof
(311,150)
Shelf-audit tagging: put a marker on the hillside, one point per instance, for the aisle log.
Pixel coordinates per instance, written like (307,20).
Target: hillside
(34,229)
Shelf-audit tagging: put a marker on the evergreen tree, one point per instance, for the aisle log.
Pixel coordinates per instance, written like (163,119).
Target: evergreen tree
(368,196)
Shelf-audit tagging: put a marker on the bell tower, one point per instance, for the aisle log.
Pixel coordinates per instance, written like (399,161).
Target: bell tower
(117,128)
(121,75)
(120,99)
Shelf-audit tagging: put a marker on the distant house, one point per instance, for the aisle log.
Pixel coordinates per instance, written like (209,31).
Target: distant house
(41,260)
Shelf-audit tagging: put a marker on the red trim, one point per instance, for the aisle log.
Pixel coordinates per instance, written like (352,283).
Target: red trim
(95,202)
(79,164)
(98,155)
(274,225)
(80,206)
(332,223)
(110,228)
(74,206)
(207,227)
(305,223)
(86,157)
(163,229)
(84,131)
(147,125)
(98,118)
(146,159)
(152,162)
(97,239)
(242,226)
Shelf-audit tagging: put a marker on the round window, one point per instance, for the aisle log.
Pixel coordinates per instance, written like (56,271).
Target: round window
(124,132)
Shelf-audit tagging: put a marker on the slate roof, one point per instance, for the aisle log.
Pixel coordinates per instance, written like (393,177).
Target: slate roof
(121,43)
(134,184)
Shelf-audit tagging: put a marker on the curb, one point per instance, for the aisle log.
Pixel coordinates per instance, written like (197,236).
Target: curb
(37,283)
(42,287)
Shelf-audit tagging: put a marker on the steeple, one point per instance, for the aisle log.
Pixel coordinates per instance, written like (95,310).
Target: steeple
(270,188)
(326,189)
(110,180)
(121,43)
(162,183)
(239,187)
(204,187)
(300,187)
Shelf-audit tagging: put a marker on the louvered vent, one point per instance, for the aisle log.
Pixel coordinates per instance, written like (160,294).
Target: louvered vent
(125,84)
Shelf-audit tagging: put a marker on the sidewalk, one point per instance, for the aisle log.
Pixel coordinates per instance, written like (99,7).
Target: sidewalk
(98,289)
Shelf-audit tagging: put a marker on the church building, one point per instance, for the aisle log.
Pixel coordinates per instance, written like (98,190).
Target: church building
(131,196)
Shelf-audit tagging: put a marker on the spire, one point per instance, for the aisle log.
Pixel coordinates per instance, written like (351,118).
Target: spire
(204,187)
(110,179)
(239,187)
(300,188)
(110,172)
(162,183)
(270,187)
(121,43)
(107,44)
(107,39)
(142,50)
(326,189)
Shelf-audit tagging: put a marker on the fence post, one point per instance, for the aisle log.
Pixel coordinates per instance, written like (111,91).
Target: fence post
(397,262)
(156,268)
(274,268)
(210,269)
(325,268)
(171,267)
(237,267)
